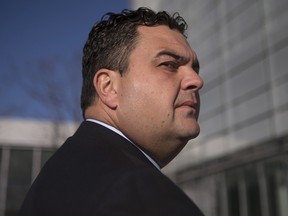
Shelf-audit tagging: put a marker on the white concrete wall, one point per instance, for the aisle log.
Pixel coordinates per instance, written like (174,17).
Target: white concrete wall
(34,133)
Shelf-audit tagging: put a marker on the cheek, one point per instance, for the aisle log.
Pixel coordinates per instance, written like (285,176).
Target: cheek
(149,98)
(159,107)
(149,103)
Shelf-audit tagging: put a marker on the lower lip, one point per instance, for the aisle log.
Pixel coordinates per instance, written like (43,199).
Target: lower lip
(188,107)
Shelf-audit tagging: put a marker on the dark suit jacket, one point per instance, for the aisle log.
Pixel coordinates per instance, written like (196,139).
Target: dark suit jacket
(98,172)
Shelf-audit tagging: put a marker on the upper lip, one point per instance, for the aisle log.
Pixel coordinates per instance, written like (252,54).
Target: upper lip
(188,103)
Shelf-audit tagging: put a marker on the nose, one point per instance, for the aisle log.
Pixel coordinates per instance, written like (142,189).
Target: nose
(191,80)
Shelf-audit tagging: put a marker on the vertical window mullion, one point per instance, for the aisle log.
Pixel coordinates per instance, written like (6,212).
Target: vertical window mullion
(263,190)
(242,196)
(223,195)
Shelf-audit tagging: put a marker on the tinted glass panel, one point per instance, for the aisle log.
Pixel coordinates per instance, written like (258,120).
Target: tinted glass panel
(19,179)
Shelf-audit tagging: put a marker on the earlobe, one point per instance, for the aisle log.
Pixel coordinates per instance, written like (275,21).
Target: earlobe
(105,85)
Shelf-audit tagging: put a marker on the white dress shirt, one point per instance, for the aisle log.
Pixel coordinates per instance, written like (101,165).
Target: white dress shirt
(121,134)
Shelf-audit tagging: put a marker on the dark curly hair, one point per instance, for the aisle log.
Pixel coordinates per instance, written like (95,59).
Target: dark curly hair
(112,39)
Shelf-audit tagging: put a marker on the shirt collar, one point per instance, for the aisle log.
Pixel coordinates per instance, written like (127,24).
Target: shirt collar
(121,134)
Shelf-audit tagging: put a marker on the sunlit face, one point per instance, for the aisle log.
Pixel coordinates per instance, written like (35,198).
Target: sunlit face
(158,95)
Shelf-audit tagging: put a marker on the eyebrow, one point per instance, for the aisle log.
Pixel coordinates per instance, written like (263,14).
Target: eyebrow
(182,59)
(173,55)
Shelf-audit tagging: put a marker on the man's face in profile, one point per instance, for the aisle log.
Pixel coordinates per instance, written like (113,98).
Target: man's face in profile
(159,99)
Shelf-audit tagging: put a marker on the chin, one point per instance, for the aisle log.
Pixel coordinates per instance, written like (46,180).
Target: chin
(192,130)
(188,136)
(192,134)
(196,134)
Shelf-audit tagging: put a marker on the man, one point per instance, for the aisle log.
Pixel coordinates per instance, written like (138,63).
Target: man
(140,102)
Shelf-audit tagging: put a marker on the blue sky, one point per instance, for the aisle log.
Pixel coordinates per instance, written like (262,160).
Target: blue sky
(40,54)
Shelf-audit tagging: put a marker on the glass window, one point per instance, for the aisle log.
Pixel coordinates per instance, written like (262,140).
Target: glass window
(252,191)
(19,179)
(233,193)
(277,183)
(248,196)
(243,191)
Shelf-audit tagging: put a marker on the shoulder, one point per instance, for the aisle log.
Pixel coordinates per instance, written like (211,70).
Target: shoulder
(93,155)
(145,191)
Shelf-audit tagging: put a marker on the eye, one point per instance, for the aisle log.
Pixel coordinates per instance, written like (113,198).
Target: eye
(170,65)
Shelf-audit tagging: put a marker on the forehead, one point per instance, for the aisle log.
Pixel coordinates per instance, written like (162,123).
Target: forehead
(159,38)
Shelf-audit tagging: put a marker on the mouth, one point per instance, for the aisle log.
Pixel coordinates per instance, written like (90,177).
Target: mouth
(189,104)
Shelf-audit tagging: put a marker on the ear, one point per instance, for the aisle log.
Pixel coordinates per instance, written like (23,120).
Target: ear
(106,82)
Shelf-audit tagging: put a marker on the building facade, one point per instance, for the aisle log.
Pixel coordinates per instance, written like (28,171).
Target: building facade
(238,166)
(25,145)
